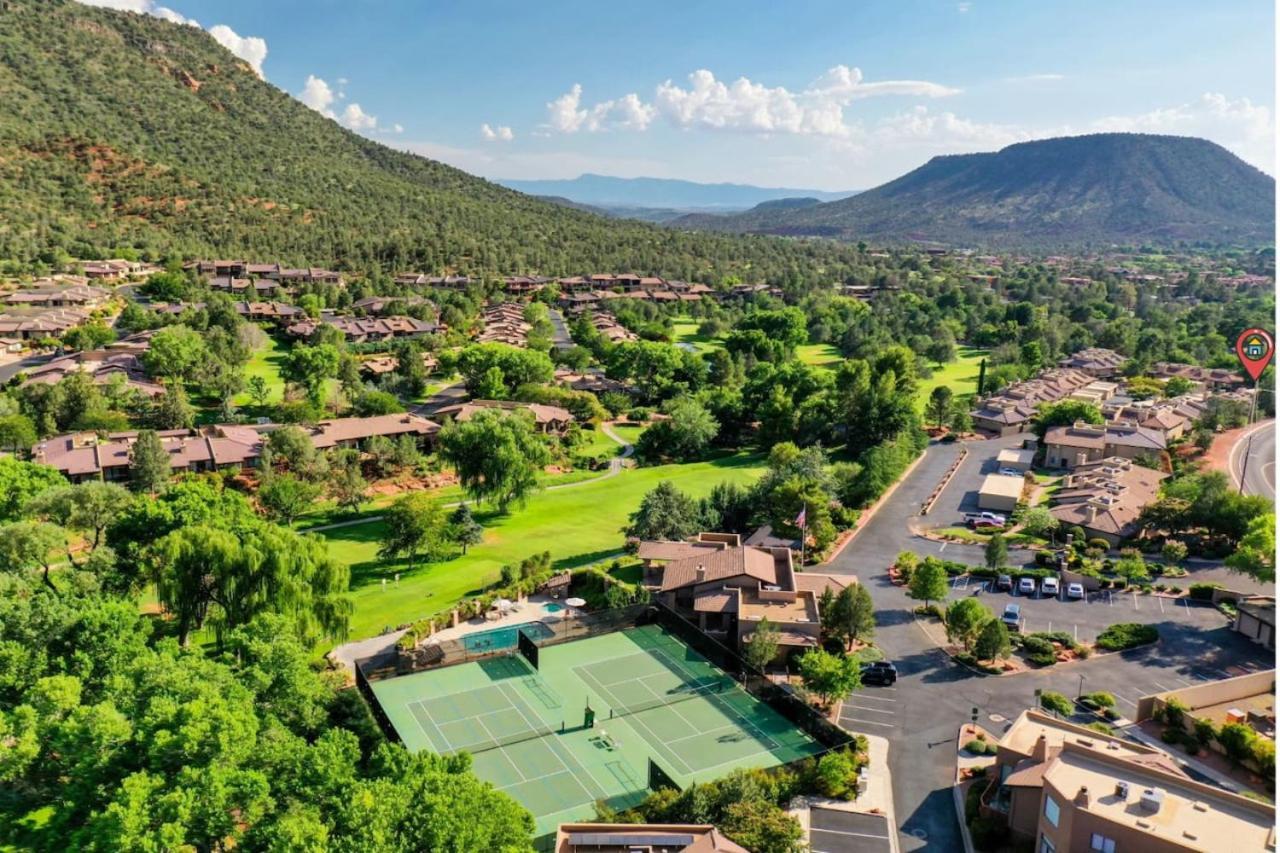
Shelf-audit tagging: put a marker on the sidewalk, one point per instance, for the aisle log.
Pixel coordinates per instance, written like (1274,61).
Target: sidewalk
(877,799)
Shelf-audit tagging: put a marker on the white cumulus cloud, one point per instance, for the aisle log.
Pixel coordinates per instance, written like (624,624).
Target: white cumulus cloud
(251,49)
(501,133)
(317,95)
(1240,125)
(567,115)
(357,119)
(143,7)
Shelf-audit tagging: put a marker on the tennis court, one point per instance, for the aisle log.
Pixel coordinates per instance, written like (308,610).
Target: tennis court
(651,696)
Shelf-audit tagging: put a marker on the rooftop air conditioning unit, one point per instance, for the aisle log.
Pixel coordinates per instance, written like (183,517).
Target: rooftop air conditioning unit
(1152,798)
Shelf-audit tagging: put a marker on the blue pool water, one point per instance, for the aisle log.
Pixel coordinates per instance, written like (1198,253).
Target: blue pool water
(505,638)
(553,608)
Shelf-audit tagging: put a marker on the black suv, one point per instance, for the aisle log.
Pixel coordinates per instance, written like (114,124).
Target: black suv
(881,672)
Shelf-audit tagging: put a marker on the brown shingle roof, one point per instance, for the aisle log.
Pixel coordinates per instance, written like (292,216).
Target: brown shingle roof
(721,565)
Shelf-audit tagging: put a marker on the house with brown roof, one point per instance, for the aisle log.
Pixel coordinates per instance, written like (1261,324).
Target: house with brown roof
(365,329)
(728,588)
(119,361)
(552,420)
(1095,361)
(1078,789)
(1013,409)
(33,324)
(50,293)
(88,456)
(1081,443)
(1106,498)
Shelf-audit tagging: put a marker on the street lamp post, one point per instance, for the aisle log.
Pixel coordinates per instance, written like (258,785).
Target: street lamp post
(1080,689)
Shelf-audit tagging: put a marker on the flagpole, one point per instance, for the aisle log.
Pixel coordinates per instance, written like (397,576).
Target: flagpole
(804,514)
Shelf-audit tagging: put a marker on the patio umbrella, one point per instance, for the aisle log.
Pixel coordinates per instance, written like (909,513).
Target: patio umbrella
(575,602)
(503,604)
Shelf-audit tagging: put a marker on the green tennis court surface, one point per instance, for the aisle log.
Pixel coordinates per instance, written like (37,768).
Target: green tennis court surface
(653,697)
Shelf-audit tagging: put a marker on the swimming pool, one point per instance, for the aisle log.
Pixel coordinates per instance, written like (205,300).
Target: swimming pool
(505,638)
(552,607)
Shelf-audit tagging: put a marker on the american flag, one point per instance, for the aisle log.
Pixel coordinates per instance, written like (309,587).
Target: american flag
(800,518)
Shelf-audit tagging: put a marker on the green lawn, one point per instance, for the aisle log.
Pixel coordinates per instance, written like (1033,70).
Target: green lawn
(685,331)
(266,362)
(819,355)
(578,526)
(961,375)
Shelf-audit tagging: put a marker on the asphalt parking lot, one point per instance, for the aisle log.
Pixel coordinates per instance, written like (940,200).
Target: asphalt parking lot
(847,832)
(961,494)
(1085,618)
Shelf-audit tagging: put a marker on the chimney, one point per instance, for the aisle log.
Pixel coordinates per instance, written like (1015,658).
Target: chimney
(1040,752)
(701,574)
(1092,510)
(1082,797)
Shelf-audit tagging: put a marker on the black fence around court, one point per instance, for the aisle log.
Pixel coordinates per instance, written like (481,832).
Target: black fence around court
(792,708)
(579,625)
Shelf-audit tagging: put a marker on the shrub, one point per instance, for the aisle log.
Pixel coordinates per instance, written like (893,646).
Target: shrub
(1237,739)
(1046,558)
(989,833)
(1202,591)
(836,775)
(1056,702)
(1174,712)
(1100,699)
(1100,544)
(1111,714)
(929,610)
(1171,734)
(1206,731)
(1100,727)
(1039,651)
(1127,635)
(976,747)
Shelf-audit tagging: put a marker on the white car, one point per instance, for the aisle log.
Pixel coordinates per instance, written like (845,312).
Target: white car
(1010,472)
(1049,586)
(1075,590)
(1027,586)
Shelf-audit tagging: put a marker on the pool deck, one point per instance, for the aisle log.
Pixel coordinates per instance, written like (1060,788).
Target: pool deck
(532,609)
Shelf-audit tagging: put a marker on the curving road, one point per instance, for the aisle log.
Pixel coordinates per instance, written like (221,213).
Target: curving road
(1253,460)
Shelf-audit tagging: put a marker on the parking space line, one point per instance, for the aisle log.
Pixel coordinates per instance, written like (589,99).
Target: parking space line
(1125,698)
(1160,601)
(847,832)
(877,698)
(1162,686)
(872,710)
(1135,601)
(854,721)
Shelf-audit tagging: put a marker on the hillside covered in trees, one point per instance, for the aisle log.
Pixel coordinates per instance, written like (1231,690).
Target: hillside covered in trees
(123,130)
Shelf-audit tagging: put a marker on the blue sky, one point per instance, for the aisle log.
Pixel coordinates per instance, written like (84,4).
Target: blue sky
(827,95)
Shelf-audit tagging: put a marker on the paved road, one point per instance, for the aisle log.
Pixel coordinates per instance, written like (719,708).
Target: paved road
(13,368)
(1253,460)
(560,336)
(920,715)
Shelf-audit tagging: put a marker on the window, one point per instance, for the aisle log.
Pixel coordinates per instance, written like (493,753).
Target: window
(1102,844)
(1051,810)
(1046,846)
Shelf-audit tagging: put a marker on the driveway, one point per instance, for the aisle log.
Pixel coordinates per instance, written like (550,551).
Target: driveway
(560,332)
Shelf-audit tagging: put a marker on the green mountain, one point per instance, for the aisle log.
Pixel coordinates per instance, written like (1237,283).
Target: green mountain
(119,129)
(1098,189)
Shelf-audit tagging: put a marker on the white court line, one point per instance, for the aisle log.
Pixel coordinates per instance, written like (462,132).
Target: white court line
(725,708)
(503,750)
(538,778)
(659,697)
(706,733)
(447,743)
(607,695)
(871,710)
(552,746)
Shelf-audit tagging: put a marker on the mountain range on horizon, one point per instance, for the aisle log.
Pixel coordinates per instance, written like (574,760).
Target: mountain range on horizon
(608,192)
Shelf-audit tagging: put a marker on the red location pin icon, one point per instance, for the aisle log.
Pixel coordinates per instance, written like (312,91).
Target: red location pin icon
(1255,347)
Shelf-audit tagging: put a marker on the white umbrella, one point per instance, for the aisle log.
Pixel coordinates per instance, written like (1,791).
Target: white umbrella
(575,602)
(503,604)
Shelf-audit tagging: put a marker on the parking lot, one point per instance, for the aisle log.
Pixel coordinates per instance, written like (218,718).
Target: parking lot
(1085,618)
(961,494)
(832,830)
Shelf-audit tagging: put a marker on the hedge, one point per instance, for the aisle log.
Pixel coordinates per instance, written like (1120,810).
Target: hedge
(1127,635)
(1051,701)
(1202,591)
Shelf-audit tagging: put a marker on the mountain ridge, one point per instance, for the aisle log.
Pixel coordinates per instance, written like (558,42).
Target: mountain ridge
(607,191)
(1091,189)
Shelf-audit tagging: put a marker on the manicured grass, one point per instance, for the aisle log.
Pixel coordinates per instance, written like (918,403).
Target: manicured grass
(266,362)
(685,331)
(578,526)
(819,355)
(960,375)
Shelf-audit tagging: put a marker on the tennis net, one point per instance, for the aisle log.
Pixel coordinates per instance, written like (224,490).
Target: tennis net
(508,740)
(700,688)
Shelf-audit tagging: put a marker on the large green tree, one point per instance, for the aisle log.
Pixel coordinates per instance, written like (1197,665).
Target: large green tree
(497,455)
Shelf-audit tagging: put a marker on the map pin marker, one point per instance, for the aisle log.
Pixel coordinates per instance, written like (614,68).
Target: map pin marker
(1254,348)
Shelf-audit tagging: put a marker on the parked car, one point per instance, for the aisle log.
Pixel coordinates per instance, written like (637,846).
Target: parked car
(985,519)
(880,672)
(1010,472)
(1012,616)
(1049,586)
(980,523)
(1004,582)
(1027,586)
(1075,590)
